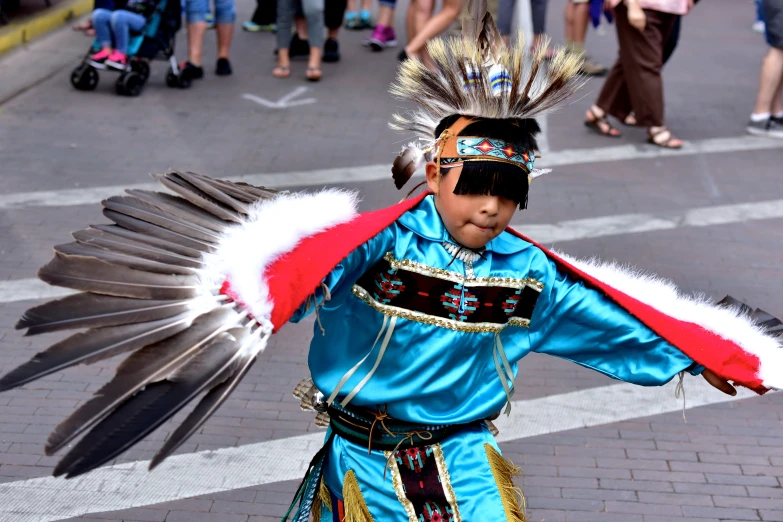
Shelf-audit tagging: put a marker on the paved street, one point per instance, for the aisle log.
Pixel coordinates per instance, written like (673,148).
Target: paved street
(709,217)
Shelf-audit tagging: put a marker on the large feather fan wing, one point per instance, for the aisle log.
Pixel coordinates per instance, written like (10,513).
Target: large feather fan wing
(150,286)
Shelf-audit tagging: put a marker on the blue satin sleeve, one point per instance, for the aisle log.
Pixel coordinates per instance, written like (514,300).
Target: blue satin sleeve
(342,277)
(585,326)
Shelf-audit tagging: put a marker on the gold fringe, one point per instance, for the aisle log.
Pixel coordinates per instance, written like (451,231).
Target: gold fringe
(323,494)
(512,496)
(323,499)
(356,509)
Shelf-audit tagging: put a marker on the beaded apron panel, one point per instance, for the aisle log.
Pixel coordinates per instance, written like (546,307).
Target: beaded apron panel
(423,486)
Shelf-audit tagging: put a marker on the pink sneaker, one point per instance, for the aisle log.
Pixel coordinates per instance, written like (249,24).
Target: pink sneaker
(117,60)
(99,59)
(382,37)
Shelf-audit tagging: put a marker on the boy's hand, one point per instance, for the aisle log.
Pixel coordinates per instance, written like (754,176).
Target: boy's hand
(719,382)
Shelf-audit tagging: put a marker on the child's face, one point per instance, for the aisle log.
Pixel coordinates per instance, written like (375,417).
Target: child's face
(472,220)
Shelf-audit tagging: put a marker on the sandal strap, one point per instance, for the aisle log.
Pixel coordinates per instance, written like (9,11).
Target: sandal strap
(664,130)
(599,119)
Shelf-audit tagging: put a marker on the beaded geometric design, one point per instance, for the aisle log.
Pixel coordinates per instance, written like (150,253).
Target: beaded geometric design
(434,296)
(496,149)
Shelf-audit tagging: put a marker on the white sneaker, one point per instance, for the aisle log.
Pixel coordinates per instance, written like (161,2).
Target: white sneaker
(770,128)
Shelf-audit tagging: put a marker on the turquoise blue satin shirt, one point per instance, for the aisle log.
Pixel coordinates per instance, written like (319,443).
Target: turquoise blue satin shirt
(434,375)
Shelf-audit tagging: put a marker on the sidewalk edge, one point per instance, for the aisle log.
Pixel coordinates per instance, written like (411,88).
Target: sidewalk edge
(27,29)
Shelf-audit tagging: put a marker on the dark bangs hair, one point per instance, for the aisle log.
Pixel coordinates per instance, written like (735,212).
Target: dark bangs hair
(495,178)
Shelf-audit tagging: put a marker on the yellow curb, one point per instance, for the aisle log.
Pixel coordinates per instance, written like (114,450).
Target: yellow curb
(23,31)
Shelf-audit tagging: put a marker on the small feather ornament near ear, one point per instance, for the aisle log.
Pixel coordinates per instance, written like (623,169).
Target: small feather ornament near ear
(406,164)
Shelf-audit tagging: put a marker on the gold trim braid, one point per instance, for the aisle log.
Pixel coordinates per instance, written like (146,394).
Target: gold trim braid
(445,481)
(511,496)
(356,509)
(398,487)
(456,277)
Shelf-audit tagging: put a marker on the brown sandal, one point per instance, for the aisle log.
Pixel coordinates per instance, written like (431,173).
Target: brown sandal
(595,122)
(314,74)
(281,71)
(664,144)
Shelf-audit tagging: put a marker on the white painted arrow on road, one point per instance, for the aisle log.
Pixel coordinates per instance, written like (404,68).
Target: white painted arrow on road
(284,102)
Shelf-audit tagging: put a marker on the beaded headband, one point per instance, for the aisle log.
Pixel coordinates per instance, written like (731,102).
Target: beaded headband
(453,149)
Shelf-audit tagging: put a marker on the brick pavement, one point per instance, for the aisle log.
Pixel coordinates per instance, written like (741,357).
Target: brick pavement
(726,463)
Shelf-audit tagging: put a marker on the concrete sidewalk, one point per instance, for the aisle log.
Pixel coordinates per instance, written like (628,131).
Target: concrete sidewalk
(28,55)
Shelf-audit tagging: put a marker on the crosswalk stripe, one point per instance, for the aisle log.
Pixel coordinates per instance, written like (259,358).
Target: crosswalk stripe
(347,175)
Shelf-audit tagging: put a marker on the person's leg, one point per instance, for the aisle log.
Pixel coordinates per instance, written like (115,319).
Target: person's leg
(777,99)
(122,23)
(334,12)
(300,23)
(285,22)
(581,18)
(225,16)
(642,54)
(613,99)
(410,20)
(386,14)
(568,23)
(258,13)
(422,12)
(383,35)
(264,16)
(538,12)
(314,13)
(196,15)
(365,14)
(436,25)
(101,21)
(672,40)
(768,98)
(505,15)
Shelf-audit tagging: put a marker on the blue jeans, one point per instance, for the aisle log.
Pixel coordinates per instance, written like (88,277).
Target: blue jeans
(197,10)
(115,26)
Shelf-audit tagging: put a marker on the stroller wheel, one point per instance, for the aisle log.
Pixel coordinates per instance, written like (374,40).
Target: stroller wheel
(129,84)
(84,77)
(142,68)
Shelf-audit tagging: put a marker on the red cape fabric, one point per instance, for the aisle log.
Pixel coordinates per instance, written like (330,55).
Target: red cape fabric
(294,276)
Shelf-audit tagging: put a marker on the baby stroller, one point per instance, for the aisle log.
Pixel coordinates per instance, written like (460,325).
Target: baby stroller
(156,40)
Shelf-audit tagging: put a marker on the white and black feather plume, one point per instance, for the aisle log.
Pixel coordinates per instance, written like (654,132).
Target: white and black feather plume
(463,78)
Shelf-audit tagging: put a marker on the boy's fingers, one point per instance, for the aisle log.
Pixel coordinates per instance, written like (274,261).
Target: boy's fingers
(719,383)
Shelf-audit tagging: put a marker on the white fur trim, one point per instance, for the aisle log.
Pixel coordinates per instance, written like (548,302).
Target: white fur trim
(273,228)
(729,323)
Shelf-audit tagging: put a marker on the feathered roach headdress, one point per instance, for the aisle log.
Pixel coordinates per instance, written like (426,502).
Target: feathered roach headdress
(479,78)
